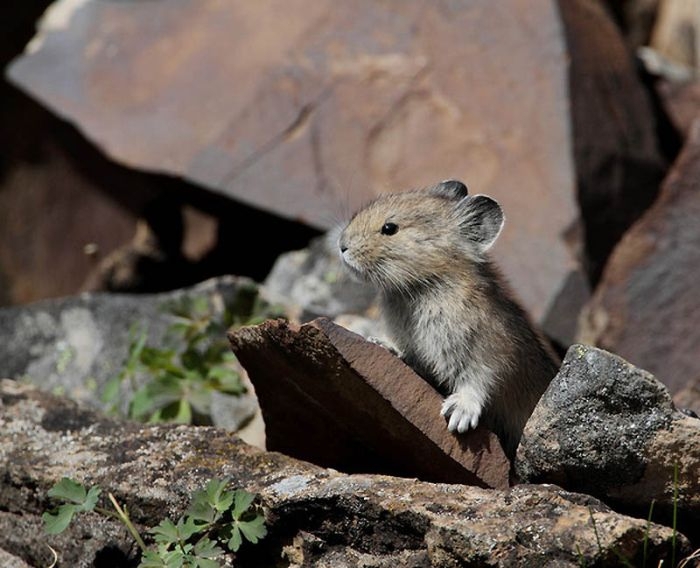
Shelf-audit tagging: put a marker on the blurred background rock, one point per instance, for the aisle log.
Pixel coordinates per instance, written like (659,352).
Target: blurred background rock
(148,146)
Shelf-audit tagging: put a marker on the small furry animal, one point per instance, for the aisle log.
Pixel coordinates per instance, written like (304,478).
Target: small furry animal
(447,308)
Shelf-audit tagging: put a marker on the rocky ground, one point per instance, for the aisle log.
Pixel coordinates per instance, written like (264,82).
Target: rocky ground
(125,213)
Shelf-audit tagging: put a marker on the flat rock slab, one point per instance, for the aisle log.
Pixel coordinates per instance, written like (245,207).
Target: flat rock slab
(646,306)
(315,517)
(330,397)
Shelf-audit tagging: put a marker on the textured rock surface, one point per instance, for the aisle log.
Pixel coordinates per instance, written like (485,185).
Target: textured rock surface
(682,101)
(76,344)
(330,397)
(315,517)
(331,105)
(609,429)
(51,207)
(314,284)
(619,164)
(8,560)
(645,308)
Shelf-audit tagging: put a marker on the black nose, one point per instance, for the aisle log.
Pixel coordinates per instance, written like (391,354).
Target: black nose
(343,248)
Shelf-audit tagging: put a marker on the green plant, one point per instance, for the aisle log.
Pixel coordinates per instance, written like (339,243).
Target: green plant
(218,519)
(675,513)
(646,534)
(195,362)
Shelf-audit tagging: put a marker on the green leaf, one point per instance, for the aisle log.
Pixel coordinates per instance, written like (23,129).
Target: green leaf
(199,398)
(179,412)
(151,559)
(72,491)
(135,347)
(216,495)
(236,539)
(202,512)
(194,360)
(158,359)
(111,390)
(165,532)
(79,500)
(204,563)
(68,490)
(242,500)
(225,379)
(181,327)
(168,533)
(200,305)
(56,522)
(246,522)
(253,530)
(91,499)
(207,548)
(209,503)
(141,404)
(187,527)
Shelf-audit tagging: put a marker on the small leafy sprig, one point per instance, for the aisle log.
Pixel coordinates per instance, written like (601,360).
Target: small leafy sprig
(196,362)
(218,519)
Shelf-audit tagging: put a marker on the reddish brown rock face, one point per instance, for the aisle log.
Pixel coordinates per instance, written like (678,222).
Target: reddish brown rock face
(618,161)
(646,307)
(332,398)
(308,109)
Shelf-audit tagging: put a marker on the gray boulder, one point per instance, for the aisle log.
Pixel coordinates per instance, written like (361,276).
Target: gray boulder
(75,345)
(609,429)
(313,283)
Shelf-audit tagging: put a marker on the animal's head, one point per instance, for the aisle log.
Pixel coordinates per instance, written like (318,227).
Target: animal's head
(401,240)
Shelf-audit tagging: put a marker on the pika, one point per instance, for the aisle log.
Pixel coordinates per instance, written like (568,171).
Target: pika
(447,308)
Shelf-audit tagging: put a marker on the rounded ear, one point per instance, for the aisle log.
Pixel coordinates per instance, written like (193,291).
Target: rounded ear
(450,189)
(481,220)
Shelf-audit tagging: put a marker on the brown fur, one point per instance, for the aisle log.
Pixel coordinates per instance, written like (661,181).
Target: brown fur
(446,306)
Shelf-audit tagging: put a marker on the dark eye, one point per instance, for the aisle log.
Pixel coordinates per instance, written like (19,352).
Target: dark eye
(389,228)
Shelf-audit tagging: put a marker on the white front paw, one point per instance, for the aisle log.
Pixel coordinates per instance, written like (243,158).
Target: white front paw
(463,411)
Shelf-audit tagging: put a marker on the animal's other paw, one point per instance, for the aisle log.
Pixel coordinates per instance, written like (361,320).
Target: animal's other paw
(463,410)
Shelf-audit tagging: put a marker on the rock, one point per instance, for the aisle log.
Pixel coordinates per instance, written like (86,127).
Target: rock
(76,344)
(11,561)
(313,282)
(331,106)
(619,164)
(315,517)
(688,399)
(682,100)
(646,304)
(609,429)
(52,211)
(675,32)
(330,397)
(635,18)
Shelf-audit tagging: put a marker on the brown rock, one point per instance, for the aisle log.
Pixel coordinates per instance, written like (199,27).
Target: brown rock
(330,397)
(619,165)
(329,105)
(682,100)
(56,222)
(645,308)
(688,398)
(315,517)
